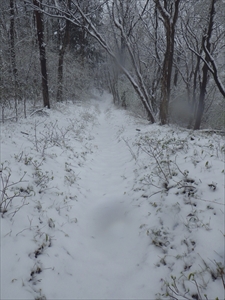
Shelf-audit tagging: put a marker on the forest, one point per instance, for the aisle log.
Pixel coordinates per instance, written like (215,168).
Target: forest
(163,60)
(112,149)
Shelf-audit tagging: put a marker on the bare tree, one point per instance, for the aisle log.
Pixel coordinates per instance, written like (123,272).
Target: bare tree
(208,47)
(13,53)
(40,35)
(148,44)
(169,12)
(127,43)
(202,42)
(63,38)
(93,31)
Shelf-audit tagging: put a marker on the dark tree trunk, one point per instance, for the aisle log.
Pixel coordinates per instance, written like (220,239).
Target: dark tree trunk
(63,43)
(205,43)
(176,73)
(169,24)
(201,102)
(59,95)
(113,86)
(193,101)
(12,40)
(42,52)
(13,52)
(166,76)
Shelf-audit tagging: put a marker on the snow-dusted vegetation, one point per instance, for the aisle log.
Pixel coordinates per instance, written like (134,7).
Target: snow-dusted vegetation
(112,149)
(98,204)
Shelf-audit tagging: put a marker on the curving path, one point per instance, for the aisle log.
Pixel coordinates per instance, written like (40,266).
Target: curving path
(111,220)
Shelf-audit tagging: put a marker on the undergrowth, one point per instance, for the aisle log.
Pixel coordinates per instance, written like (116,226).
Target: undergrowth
(174,170)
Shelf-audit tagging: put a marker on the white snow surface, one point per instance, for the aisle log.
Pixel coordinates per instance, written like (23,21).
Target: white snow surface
(98,204)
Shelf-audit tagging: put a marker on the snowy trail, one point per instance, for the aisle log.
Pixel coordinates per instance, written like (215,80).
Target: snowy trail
(110,227)
(107,197)
(83,236)
(92,225)
(104,256)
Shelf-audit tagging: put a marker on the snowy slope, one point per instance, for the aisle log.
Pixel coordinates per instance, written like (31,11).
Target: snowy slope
(100,205)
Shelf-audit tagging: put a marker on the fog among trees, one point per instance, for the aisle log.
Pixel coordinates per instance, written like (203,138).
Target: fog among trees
(161,59)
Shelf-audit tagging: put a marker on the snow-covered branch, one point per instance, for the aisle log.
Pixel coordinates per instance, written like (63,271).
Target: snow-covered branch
(213,68)
(214,71)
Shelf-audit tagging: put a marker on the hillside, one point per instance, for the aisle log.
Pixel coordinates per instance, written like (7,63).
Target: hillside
(98,204)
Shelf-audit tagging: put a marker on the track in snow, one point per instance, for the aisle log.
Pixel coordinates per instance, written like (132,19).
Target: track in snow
(110,225)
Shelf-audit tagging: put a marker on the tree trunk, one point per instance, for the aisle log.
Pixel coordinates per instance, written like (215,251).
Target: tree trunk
(63,43)
(13,52)
(169,24)
(205,43)
(42,52)
(139,86)
(166,77)
(59,95)
(201,103)
(113,85)
(193,101)
(176,72)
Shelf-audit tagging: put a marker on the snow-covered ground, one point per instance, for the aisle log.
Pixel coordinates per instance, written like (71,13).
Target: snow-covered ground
(97,204)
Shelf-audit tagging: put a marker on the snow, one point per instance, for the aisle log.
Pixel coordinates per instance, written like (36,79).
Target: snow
(110,207)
